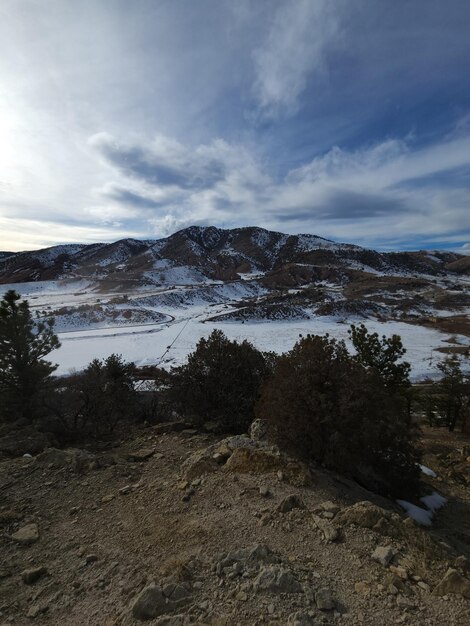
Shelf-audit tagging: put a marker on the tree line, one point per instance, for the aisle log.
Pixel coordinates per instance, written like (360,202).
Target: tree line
(353,412)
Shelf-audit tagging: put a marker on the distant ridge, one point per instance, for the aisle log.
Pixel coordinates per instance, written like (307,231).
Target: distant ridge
(216,254)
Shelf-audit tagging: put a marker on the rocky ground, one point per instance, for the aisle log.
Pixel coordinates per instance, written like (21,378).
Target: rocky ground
(176,528)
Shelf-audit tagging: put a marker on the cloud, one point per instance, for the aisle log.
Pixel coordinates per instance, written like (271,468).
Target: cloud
(295,47)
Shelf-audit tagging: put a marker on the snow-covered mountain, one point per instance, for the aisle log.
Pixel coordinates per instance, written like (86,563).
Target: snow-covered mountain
(200,252)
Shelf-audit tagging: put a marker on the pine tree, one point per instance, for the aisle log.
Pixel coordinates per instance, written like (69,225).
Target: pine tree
(24,343)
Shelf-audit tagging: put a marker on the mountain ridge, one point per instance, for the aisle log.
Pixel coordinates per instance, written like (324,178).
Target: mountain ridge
(219,254)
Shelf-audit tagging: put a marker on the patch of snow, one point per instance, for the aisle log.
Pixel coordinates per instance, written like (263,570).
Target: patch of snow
(428,471)
(419,515)
(434,502)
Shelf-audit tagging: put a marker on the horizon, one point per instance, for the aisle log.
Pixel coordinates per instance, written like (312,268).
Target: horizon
(251,226)
(316,117)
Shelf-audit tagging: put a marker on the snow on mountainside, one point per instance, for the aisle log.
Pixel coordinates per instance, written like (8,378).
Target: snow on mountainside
(137,298)
(215,253)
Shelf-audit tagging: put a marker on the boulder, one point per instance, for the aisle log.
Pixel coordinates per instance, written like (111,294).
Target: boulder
(260,461)
(453,582)
(198,464)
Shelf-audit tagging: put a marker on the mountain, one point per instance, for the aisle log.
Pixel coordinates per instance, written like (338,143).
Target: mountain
(212,253)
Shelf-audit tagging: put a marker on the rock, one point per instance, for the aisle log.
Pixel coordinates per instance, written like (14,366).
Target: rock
(259,430)
(453,582)
(330,533)
(91,558)
(9,515)
(289,503)
(245,560)
(198,464)
(106,499)
(404,603)
(324,599)
(153,601)
(383,555)
(30,576)
(276,579)
(125,490)
(264,491)
(26,535)
(363,514)
(33,611)
(79,461)
(362,587)
(462,563)
(301,618)
(241,596)
(259,461)
(329,507)
(399,571)
(140,456)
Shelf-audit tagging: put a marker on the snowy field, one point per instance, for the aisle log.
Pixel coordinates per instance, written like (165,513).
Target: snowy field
(186,312)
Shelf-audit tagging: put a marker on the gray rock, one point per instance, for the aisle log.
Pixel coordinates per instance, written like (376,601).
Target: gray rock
(324,599)
(453,582)
(301,618)
(329,507)
(330,533)
(259,430)
(26,535)
(383,555)
(149,604)
(140,456)
(245,559)
(276,579)
(155,601)
(291,502)
(264,491)
(30,576)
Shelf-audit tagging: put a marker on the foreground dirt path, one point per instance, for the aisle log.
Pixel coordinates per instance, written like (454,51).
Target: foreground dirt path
(107,532)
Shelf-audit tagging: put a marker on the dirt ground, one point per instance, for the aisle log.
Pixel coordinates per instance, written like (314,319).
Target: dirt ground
(107,532)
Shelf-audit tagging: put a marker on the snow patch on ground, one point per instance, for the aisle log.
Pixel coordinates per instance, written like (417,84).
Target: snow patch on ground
(428,471)
(424,516)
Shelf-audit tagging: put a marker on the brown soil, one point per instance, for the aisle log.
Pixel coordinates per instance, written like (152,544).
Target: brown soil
(150,533)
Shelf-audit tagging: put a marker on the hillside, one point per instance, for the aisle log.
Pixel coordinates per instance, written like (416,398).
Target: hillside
(215,254)
(149,299)
(155,531)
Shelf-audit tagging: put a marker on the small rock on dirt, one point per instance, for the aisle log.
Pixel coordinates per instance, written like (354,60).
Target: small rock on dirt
(26,535)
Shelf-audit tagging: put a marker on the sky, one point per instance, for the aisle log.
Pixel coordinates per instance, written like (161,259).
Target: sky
(349,119)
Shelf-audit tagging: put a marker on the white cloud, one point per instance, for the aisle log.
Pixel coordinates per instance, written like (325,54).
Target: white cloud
(295,48)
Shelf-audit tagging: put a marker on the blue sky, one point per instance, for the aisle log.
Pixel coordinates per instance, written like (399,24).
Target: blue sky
(349,119)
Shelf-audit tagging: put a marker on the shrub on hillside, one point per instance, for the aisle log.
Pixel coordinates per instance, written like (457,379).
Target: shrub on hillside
(95,402)
(328,407)
(220,383)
